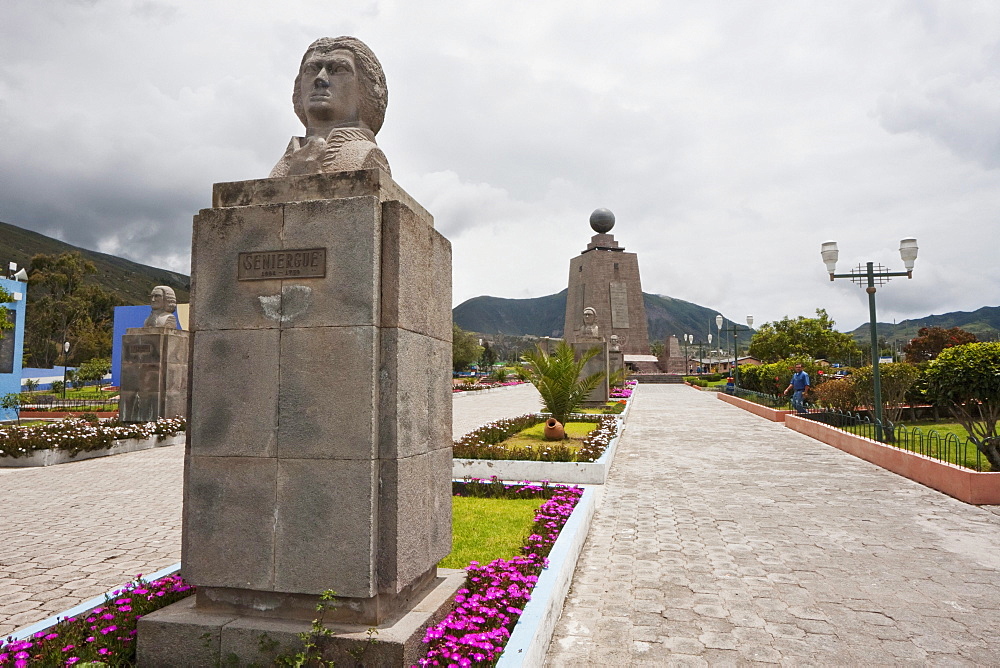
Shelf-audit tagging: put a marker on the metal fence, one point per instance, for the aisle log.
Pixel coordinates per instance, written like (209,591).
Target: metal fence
(945,447)
(51,403)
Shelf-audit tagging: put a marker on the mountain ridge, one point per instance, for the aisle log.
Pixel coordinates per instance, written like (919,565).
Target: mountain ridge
(129,281)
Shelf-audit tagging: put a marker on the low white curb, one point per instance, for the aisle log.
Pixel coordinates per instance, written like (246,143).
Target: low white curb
(579,473)
(529,641)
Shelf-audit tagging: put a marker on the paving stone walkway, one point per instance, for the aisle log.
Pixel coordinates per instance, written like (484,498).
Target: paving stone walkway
(474,409)
(74,531)
(724,539)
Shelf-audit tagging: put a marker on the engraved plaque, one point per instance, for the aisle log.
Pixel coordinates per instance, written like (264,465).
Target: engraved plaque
(141,352)
(619,305)
(269,265)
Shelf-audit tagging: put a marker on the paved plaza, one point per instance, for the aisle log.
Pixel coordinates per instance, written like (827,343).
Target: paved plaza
(74,531)
(722,539)
(727,539)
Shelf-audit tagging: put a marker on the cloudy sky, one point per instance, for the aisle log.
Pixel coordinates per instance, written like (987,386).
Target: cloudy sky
(729,138)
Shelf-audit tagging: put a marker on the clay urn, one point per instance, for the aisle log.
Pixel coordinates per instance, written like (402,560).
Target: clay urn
(553,430)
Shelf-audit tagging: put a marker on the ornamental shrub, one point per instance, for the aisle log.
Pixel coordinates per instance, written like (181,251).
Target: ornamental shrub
(967,379)
(557,378)
(896,379)
(838,394)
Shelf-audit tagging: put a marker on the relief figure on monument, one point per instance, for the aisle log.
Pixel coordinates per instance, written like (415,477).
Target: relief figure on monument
(164,303)
(340,96)
(589,329)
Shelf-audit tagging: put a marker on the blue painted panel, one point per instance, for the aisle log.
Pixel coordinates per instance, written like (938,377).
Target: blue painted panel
(11,382)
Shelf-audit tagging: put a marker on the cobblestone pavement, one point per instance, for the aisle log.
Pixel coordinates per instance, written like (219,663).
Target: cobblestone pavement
(74,531)
(474,409)
(727,539)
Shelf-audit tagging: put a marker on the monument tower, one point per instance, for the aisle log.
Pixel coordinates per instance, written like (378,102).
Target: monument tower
(606,278)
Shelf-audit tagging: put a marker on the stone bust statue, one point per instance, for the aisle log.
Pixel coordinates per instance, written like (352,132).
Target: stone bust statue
(615,347)
(164,303)
(340,96)
(589,329)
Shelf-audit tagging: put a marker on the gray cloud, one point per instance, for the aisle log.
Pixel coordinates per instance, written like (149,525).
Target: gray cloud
(729,139)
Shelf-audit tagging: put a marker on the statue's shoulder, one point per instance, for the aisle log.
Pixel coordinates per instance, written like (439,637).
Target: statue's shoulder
(351,149)
(281,168)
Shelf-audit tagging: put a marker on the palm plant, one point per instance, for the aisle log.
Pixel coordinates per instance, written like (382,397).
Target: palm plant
(557,378)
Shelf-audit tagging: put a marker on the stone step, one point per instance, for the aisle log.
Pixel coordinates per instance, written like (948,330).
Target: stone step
(660,378)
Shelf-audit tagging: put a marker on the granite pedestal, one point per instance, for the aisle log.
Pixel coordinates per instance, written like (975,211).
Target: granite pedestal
(598,363)
(154,380)
(319,451)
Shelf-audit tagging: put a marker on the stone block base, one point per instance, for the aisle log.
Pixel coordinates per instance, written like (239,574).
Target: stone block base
(183,635)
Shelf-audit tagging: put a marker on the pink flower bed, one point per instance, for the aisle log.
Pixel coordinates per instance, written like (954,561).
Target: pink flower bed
(106,633)
(488,607)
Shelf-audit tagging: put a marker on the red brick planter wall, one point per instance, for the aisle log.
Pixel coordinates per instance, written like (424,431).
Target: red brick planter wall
(763,411)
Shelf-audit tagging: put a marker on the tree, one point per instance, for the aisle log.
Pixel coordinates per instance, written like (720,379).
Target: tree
(5,323)
(465,349)
(487,359)
(94,370)
(557,378)
(13,402)
(64,308)
(930,341)
(810,337)
(967,377)
(895,381)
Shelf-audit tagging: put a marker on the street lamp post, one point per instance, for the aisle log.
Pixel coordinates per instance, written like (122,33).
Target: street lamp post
(736,349)
(710,352)
(65,355)
(688,338)
(869,275)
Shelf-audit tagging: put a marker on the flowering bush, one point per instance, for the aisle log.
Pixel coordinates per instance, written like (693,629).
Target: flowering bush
(76,435)
(472,387)
(486,442)
(494,595)
(105,634)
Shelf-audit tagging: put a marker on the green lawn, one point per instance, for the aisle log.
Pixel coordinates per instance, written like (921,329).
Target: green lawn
(534,436)
(488,529)
(965,454)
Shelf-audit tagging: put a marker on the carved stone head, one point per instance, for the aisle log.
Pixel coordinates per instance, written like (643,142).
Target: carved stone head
(614,342)
(164,303)
(340,80)
(163,299)
(589,316)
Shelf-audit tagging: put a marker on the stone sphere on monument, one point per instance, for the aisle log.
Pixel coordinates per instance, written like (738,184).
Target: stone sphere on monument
(602,220)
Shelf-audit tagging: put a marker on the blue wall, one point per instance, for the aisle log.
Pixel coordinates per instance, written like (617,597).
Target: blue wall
(11,382)
(125,317)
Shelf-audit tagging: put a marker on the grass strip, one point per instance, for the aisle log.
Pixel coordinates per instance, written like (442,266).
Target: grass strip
(488,529)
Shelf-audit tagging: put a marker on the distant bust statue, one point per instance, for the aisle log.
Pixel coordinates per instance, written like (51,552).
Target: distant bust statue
(614,343)
(340,96)
(164,303)
(589,329)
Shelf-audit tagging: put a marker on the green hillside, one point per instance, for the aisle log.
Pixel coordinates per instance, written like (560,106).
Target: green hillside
(130,281)
(545,316)
(984,323)
(540,316)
